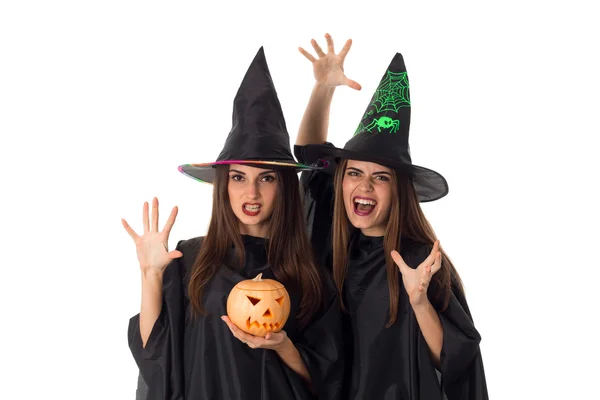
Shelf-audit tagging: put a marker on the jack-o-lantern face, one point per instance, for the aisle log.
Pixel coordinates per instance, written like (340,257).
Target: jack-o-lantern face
(258,306)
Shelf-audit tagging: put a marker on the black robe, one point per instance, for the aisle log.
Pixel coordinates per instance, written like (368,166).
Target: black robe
(395,362)
(187,358)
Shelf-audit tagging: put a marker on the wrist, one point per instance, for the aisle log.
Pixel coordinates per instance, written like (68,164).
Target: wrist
(424,305)
(285,346)
(149,273)
(323,87)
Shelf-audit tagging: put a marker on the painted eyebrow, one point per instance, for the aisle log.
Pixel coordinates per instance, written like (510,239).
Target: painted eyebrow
(243,173)
(374,173)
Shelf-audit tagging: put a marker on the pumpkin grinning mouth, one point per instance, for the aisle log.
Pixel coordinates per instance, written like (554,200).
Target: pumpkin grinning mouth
(268,326)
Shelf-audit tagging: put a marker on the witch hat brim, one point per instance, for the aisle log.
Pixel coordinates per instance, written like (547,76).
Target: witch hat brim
(206,172)
(258,135)
(429,184)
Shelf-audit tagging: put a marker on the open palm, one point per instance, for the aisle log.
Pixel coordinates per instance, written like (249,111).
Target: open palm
(152,246)
(329,68)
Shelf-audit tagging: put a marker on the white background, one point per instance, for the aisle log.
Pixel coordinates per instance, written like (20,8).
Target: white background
(101,101)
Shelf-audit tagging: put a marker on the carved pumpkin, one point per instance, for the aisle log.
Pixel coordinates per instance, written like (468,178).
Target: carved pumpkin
(258,306)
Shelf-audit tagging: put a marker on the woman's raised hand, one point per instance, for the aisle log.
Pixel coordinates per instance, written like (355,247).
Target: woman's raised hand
(152,246)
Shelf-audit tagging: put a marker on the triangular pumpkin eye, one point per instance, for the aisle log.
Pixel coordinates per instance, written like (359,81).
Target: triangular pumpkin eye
(253,300)
(280,301)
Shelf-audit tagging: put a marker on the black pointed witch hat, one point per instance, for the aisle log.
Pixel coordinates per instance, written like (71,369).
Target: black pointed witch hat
(258,134)
(382,135)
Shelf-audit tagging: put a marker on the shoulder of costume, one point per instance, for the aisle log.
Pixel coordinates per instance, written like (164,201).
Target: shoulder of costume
(182,266)
(190,245)
(299,151)
(414,248)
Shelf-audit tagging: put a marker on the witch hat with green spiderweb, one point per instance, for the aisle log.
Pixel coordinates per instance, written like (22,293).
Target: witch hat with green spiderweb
(382,135)
(258,135)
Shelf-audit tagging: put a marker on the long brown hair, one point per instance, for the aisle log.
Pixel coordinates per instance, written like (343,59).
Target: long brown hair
(289,251)
(406,220)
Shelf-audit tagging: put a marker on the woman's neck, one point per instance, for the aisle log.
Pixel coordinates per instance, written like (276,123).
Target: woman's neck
(260,231)
(374,232)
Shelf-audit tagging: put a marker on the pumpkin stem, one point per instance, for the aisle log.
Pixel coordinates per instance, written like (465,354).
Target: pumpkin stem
(258,278)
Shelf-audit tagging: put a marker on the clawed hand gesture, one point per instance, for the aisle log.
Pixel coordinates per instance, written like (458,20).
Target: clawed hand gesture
(152,245)
(416,280)
(329,68)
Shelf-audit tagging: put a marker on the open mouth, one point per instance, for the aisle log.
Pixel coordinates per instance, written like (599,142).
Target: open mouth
(251,209)
(364,206)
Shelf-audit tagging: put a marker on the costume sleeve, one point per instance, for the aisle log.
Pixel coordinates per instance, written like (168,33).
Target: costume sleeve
(317,189)
(141,393)
(463,375)
(160,362)
(320,345)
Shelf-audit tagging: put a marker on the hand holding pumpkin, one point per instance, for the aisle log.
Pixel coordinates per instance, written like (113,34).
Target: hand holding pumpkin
(416,281)
(272,340)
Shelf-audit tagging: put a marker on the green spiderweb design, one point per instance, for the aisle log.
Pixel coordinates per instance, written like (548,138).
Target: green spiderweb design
(391,95)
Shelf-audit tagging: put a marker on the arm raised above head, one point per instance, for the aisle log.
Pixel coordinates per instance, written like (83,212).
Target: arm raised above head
(329,73)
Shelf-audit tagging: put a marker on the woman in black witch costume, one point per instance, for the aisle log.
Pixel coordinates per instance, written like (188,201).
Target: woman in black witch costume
(410,340)
(182,340)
